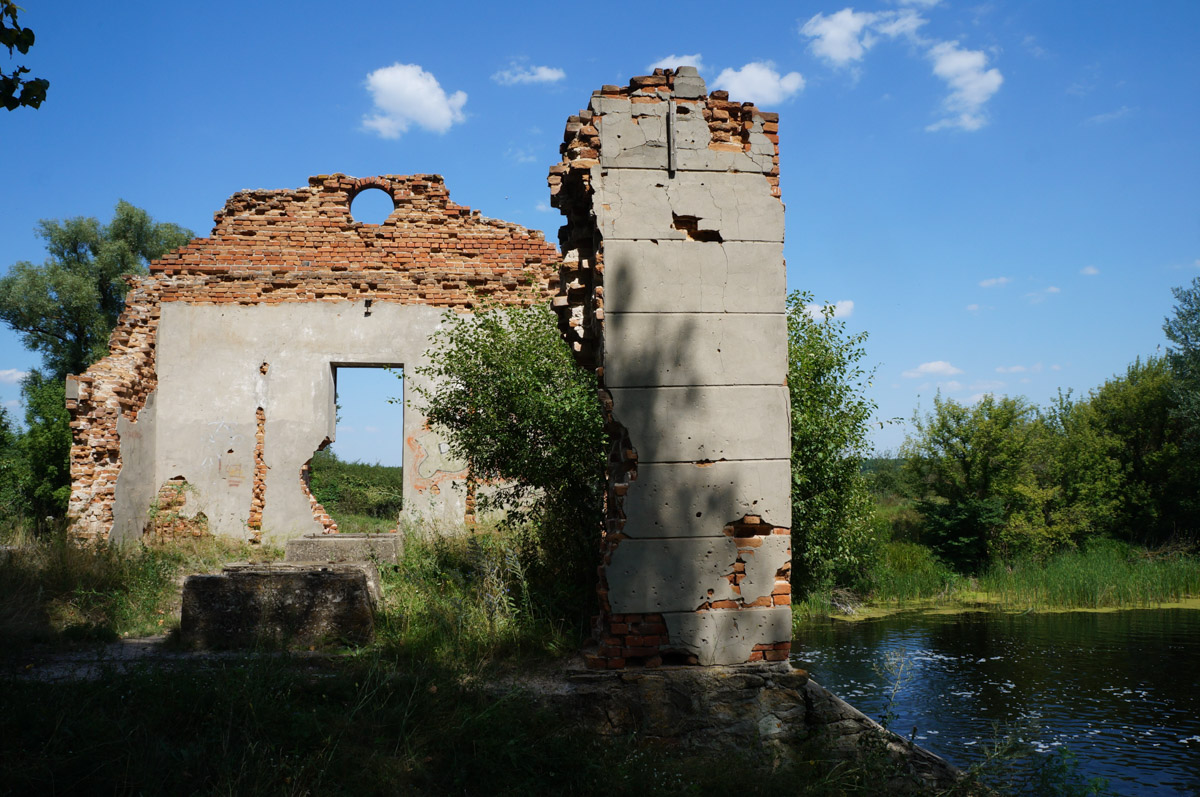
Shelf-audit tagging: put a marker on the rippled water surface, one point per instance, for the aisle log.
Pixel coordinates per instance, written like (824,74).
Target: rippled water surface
(1120,689)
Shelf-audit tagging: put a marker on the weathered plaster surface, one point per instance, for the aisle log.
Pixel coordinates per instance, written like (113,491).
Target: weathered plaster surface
(216,352)
(236,392)
(673,290)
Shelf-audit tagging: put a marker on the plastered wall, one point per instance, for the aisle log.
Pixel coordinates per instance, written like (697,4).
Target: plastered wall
(220,372)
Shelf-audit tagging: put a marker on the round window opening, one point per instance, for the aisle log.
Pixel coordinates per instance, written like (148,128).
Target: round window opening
(372,206)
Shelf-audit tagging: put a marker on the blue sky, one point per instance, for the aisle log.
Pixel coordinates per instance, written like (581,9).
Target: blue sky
(1002,194)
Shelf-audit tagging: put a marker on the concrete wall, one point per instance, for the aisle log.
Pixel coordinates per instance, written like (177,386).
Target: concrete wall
(218,364)
(674,292)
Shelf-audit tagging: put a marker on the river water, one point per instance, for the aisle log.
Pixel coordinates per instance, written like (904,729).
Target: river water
(1120,689)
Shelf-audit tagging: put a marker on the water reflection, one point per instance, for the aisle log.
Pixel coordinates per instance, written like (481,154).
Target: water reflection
(1120,689)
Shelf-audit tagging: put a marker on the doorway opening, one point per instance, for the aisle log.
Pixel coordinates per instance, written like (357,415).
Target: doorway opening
(359,478)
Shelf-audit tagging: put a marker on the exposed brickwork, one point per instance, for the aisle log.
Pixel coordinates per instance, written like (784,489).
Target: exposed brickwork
(329,525)
(166,522)
(258,494)
(300,245)
(641,639)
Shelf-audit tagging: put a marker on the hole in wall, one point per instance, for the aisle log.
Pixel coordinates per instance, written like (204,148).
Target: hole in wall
(372,206)
(358,480)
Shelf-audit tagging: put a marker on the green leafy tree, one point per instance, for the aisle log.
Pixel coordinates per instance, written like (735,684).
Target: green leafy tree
(1138,412)
(12,500)
(830,417)
(66,307)
(975,466)
(512,403)
(15,89)
(1183,331)
(45,447)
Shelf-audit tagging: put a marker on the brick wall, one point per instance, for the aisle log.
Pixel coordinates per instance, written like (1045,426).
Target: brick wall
(302,245)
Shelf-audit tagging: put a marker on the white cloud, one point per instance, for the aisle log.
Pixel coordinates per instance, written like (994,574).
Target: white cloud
(972,308)
(12,404)
(404,95)
(842,37)
(841,309)
(994,282)
(1056,367)
(1037,297)
(758,82)
(935,368)
(900,23)
(521,155)
(978,397)
(953,385)
(1111,116)
(672,61)
(1033,48)
(845,37)
(1089,271)
(11,376)
(520,73)
(543,207)
(1010,369)
(971,85)
(987,384)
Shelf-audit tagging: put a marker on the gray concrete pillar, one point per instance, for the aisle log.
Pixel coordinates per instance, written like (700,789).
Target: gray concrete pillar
(673,290)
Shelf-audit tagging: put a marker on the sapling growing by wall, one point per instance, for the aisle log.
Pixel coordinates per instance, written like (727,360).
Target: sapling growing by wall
(512,403)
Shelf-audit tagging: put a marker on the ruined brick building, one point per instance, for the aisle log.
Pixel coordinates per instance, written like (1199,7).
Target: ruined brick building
(670,284)
(222,368)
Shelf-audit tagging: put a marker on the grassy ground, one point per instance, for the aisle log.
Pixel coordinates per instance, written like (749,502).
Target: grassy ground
(411,714)
(53,591)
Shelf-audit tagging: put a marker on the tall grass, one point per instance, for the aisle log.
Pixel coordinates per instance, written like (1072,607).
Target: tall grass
(360,497)
(465,599)
(53,589)
(910,572)
(1105,574)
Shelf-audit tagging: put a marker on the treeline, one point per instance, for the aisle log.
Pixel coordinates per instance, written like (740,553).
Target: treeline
(1004,479)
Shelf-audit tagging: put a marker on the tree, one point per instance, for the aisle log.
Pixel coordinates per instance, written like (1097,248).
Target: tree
(831,504)
(1183,330)
(976,468)
(1139,413)
(45,447)
(12,501)
(66,307)
(506,392)
(15,90)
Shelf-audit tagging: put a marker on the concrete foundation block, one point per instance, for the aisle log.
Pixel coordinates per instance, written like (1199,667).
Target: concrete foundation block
(677,575)
(650,349)
(686,500)
(278,604)
(693,277)
(728,637)
(381,548)
(690,424)
(642,204)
